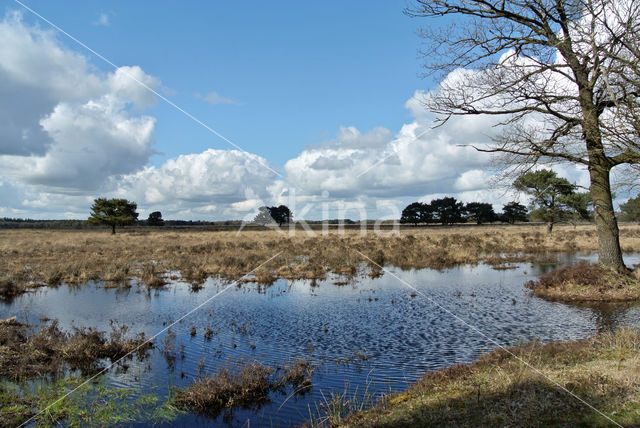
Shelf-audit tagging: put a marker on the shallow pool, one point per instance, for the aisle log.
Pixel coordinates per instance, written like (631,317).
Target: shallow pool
(371,335)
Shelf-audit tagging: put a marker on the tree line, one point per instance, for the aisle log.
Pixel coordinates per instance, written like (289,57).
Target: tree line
(448,210)
(553,199)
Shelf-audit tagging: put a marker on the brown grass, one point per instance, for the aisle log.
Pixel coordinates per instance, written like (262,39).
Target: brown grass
(297,373)
(586,282)
(31,258)
(499,390)
(210,395)
(247,386)
(25,353)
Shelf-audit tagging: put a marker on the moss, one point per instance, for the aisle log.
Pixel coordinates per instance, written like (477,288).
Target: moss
(92,404)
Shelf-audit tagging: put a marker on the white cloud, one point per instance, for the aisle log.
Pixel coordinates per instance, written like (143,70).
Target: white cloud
(208,183)
(419,160)
(472,180)
(36,73)
(64,125)
(90,143)
(132,84)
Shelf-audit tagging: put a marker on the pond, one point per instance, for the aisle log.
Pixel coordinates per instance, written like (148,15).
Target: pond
(373,335)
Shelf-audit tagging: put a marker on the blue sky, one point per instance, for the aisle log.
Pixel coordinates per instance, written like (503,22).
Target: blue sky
(297,70)
(326,95)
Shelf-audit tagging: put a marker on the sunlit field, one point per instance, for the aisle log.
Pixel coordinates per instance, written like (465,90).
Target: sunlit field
(32,258)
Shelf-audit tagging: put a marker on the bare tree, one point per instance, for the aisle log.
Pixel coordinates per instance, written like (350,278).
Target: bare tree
(560,76)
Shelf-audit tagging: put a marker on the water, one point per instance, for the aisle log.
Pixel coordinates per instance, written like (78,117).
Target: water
(371,334)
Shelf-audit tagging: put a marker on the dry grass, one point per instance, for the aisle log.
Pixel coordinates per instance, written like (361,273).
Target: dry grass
(25,353)
(297,373)
(498,390)
(31,258)
(247,386)
(586,282)
(210,395)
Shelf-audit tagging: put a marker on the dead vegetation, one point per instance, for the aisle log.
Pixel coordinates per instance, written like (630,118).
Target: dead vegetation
(586,282)
(296,373)
(31,258)
(209,395)
(499,390)
(26,353)
(248,386)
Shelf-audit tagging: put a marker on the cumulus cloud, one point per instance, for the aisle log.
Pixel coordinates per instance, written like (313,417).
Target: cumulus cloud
(207,182)
(131,85)
(473,179)
(29,201)
(64,125)
(90,143)
(418,161)
(35,74)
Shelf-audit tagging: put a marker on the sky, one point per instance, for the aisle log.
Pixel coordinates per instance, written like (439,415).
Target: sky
(208,110)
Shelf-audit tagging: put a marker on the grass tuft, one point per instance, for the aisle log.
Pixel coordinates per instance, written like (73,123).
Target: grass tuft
(586,282)
(224,389)
(248,386)
(26,354)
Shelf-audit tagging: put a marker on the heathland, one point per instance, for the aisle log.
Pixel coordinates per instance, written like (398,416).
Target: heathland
(33,258)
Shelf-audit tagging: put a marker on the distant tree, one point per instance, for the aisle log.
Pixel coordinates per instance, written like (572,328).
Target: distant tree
(113,212)
(480,212)
(155,219)
(335,221)
(281,214)
(513,212)
(416,212)
(447,210)
(264,216)
(549,194)
(631,209)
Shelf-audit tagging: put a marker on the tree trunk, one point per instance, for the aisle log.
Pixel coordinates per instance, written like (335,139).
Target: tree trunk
(113,229)
(609,252)
(550,227)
